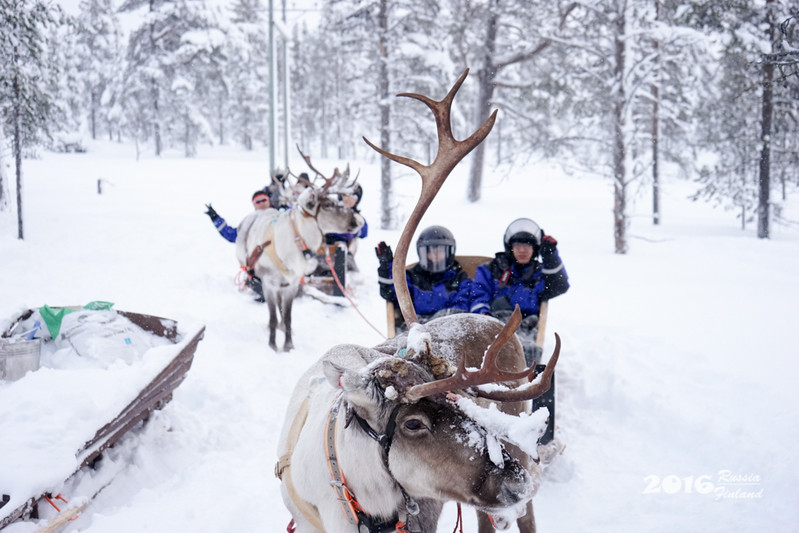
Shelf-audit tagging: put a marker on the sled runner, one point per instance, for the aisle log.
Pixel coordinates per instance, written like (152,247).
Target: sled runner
(323,279)
(140,382)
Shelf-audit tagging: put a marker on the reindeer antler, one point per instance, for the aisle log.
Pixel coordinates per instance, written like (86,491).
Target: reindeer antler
(489,372)
(450,153)
(328,181)
(534,391)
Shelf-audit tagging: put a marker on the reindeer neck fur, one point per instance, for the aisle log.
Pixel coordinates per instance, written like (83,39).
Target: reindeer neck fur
(360,459)
(363,464)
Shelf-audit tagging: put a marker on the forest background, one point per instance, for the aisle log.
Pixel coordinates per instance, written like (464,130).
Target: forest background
(626,89)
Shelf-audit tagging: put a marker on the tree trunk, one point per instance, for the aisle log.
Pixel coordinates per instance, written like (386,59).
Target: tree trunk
(767,110)
(3,178)
(619,181)
(656,128)
(18,150)
(386,215)
(93,113)
(485,79)
(154,91)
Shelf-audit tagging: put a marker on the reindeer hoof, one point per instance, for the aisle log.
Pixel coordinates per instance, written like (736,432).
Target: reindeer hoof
(288,347)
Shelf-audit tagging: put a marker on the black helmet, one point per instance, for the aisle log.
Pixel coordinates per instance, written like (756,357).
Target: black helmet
(431,238)
(523,230)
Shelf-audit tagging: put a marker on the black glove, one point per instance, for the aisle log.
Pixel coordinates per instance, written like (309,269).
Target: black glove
(548,244)
(211,213)
(385,256)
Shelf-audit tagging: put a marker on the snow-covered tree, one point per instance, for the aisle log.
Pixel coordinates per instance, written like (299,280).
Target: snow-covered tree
(751,124)
(26,106)
(373,50)
(99,51)
(174,70)
(247,72)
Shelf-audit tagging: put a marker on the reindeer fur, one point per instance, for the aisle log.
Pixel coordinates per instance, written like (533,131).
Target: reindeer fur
(433,466)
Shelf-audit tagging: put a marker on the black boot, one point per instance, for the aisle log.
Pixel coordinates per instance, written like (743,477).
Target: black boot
(254,283)
(546,400)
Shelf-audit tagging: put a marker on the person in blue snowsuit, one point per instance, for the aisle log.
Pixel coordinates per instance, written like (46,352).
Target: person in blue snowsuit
(437,283)
(516,277)
(260,201)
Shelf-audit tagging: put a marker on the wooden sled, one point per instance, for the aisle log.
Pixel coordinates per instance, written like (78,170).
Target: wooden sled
(322,280)
(154,395)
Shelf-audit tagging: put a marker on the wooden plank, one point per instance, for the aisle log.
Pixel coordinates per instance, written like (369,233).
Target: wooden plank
(63,518)
(153,396)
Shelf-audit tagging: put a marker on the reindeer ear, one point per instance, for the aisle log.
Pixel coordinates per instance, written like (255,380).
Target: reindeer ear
(343,377)
(341,365)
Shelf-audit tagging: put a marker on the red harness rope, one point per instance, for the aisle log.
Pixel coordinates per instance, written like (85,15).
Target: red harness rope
(329,261)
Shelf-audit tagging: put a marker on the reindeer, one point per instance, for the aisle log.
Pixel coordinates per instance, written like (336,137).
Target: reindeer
(279,245)
(377,439)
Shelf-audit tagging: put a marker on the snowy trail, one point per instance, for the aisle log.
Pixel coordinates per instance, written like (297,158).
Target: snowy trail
(678,358)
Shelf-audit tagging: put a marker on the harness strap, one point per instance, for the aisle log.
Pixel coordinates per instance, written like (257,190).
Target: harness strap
(298,240)
(283,469)
(347,500)
(269,247)
(256,254)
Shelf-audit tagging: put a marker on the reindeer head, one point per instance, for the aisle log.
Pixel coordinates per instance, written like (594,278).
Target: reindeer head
(433,448)
(324,202)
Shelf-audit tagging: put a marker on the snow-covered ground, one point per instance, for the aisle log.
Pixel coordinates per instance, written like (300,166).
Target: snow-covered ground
(676,386)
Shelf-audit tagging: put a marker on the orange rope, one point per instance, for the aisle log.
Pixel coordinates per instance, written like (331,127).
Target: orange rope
(346,294)
(241,278)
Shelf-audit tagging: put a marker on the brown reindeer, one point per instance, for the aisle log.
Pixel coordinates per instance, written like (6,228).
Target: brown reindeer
(377,439)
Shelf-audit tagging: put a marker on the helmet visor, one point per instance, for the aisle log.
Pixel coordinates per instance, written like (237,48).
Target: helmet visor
(435,257)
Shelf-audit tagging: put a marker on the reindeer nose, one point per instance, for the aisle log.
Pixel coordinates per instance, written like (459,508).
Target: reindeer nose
(516,488)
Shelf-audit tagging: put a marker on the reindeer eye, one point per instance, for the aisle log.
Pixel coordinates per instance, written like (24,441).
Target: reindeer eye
(414,424)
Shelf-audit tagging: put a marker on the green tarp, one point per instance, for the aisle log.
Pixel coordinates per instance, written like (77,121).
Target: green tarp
(53,316)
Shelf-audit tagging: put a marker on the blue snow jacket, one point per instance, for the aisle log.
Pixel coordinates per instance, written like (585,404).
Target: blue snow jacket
(502,283)
(431,292)
(332,238)
(228,232)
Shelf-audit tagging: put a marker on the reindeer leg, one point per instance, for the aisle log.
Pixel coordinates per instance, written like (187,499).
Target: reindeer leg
(526,523)
(288,301)
(272,321)
(484,523)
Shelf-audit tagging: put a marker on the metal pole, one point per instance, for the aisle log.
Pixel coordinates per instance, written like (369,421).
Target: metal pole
(272,136)
(285,91)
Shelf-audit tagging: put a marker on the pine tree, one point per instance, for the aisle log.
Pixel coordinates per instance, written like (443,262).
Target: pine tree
(175,62)
(98,51)
(25,105)
(247,70)
(751,122)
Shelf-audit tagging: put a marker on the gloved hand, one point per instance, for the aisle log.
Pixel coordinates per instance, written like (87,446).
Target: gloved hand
(385,256)
(548,244)
(211,213)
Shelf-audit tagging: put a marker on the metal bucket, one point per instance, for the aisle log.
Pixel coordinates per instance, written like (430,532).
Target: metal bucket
(16,358)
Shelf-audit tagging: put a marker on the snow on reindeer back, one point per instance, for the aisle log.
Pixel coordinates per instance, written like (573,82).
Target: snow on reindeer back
(98,365)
